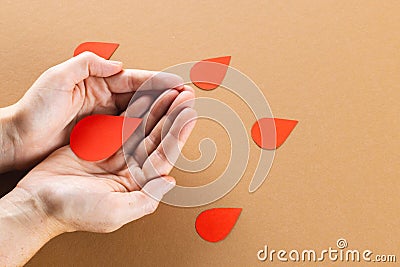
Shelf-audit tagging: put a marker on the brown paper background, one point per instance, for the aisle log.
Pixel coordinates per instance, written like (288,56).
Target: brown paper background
(332,65)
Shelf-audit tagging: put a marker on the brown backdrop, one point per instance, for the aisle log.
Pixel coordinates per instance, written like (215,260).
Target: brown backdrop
(332,65)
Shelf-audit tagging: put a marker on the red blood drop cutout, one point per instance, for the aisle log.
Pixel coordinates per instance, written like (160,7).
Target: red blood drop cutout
(98,137)
(104,50)
(214,225)
(208,74)
(271,133)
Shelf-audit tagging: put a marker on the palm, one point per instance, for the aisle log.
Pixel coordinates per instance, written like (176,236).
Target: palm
(63,174)
(58,111)
(52,107)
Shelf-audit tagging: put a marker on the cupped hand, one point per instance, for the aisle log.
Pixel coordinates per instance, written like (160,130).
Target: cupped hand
(102,196)
(62,95)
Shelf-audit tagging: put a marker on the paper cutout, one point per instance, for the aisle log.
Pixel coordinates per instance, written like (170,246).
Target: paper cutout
(271,133)
(104,50)
(214,225)
(208,74)
(98,137)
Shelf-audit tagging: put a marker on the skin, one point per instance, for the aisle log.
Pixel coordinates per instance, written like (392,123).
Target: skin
(64,193)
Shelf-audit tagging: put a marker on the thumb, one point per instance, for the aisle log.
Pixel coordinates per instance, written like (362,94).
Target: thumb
(134,205)
(76,69)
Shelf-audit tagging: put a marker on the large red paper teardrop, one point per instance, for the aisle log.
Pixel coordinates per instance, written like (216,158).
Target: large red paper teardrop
(98,137)
(214,225)
(104,50)
(271,133)
(208,74)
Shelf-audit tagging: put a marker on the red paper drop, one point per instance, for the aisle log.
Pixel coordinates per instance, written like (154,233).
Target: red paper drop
(214,225)
(208,74)
(104,50)
(271,133)
(98,137)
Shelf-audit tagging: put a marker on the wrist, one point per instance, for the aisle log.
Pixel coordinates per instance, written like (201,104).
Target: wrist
(25,227)
(27,211)
(8,137)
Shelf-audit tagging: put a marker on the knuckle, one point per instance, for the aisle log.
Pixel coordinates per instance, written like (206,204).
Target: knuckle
(87,56)
(151,206)
(110,228)
(150,143)
(160,153)
(112,222)
(52,72)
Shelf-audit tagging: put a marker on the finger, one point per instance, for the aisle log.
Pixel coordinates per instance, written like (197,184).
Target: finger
(129,206)
(122,100)
(188,88)
(138,106)
(149,143)
(69,73)
(184,100)
(130,80)
(153,139)
(161,161)
(157,111)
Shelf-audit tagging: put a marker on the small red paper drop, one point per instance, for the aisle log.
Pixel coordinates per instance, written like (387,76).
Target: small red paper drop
(104,50)
(98,137)
(271,133)
(214,225)
(208,74)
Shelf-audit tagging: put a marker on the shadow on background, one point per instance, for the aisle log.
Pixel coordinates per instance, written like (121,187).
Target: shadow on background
(9,180)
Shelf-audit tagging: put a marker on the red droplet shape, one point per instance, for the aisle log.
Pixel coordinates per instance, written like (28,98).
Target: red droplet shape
(271,133)
(104,50)
(214,225)
(98,137)
(208,74)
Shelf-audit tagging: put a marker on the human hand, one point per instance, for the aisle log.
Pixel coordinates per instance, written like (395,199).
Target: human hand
(86,84)
(103,196)
(65,193)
